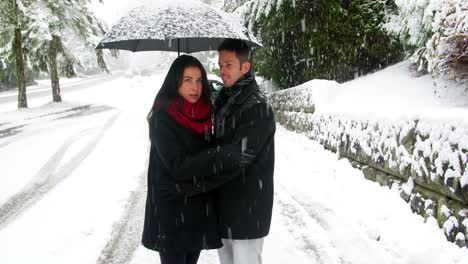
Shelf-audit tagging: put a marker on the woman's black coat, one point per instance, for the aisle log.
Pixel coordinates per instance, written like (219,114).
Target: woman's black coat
(175,223)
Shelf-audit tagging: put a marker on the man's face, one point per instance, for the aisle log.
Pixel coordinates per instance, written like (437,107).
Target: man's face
(230,68)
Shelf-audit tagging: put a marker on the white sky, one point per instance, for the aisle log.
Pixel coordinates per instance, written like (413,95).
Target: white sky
(112,10)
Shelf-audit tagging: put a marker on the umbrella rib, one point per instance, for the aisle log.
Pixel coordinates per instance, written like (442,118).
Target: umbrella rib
(136,46)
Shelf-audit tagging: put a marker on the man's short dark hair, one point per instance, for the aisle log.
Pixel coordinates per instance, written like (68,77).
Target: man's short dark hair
(240,47)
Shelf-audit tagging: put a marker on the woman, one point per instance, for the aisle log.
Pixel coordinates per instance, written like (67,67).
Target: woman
(179,227)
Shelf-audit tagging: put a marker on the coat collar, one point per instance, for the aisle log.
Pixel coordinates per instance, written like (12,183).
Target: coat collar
(242,89)
(240,93)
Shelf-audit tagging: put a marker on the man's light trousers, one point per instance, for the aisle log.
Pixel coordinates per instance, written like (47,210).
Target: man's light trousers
(235,251)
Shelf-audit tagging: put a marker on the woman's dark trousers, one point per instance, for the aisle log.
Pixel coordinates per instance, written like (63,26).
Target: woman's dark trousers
(179,258)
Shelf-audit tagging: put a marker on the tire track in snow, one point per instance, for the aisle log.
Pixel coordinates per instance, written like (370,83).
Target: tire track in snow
(48,176)
(126,234)
(308,229)
(315,211)
(16,131)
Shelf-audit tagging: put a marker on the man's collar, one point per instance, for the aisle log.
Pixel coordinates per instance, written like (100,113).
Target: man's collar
(245,80)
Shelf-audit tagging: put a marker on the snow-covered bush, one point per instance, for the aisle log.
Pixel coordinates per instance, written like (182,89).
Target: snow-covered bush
(448,47)
(436,32)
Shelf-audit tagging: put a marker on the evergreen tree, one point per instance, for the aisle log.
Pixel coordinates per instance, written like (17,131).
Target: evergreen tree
(60,37)
(231,5)
(11,21)
(323,39)
(411,22)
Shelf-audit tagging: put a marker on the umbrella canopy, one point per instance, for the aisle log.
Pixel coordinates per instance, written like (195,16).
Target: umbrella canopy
(175,25)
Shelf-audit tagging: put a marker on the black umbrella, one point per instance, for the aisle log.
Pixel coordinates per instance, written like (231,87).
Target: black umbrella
(183,26)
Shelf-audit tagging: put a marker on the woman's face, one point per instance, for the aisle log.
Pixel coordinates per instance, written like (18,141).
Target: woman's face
(191,87)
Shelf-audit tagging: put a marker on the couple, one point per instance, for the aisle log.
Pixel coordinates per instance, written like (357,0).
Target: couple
(210,189)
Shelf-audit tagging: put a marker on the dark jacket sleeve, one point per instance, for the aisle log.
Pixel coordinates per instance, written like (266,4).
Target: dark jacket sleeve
(173,154)
(215,166)
(168,146)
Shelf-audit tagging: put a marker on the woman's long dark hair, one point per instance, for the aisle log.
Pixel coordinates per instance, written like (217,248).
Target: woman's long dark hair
(170,87)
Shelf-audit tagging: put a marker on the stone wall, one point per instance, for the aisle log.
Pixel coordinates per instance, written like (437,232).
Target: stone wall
(425,158)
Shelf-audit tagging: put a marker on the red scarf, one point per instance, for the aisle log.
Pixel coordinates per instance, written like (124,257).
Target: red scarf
(195,117)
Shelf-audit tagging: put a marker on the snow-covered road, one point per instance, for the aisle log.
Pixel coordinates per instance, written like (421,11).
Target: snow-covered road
(72,190)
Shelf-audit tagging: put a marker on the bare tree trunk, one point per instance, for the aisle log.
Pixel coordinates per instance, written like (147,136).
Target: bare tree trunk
(18,44)
(53,70)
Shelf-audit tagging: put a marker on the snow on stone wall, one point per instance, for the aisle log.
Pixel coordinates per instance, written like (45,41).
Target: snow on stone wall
(431,152)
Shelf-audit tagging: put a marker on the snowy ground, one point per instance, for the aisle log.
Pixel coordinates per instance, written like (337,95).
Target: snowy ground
(395,92)
(72,190)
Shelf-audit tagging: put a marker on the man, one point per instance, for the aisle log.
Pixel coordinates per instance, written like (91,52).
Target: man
(243,114)
(240,168)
